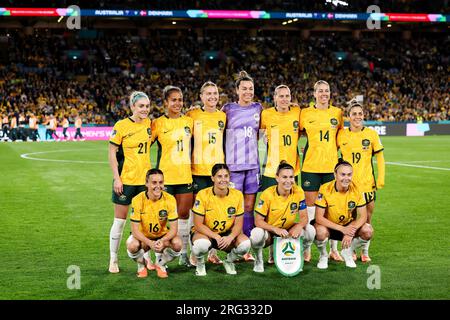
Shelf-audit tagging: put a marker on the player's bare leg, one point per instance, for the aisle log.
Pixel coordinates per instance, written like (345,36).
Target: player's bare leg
(365,248)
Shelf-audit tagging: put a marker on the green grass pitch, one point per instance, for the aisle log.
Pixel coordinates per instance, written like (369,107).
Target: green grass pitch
(55,214)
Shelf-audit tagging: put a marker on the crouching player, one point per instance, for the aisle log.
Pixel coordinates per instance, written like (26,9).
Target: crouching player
(154,225)
(281,211)
(341,215)
(218,221)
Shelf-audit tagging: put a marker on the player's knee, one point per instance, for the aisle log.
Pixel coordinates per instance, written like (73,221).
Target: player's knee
(176,243)
(309,233)
(243,247)
(321,233)
(200,247)
(366,232)
(257,237)
(133,245)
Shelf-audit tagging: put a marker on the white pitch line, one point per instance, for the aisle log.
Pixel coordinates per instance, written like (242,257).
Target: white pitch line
(417,166)
(27,156)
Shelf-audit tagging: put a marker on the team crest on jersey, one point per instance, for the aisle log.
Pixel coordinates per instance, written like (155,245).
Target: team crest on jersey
(231,211)
(187,130)
(163,215)
(293,207)
(366,144)
(351,204)
(113,133)
(334,122)
(307,183)
(295,123)
(221,125)
(149,132)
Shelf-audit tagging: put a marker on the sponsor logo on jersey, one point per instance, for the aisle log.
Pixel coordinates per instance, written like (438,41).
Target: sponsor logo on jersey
(163,215)
(113,133)
(197,203)
(351,204)
(320,196)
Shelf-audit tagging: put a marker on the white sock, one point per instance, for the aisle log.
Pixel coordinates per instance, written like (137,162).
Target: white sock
(259,254)
(365,248)
(138,257)
(357,242)
(183,232)
(115,235)
(239,251)
(334,245)
(309,234)
(322,246)
(311,213)
(168,255)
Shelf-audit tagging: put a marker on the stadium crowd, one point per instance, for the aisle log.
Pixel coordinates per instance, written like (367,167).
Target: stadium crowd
(67,75)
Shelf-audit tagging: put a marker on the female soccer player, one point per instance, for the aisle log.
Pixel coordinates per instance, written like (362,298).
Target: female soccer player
(209,127)
(241,145)
(321,123)
(218,221)
(358,145)
(153,212)
(341,215)
(129,159)
(281,211)
(173,132)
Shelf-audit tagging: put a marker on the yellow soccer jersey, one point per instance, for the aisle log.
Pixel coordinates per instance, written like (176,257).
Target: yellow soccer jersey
(279,211)
(208,140)
(174,143)
(321,126)
(358,149)
(154,215)
(282,132)
(219,212)
(339,207)
(133,140)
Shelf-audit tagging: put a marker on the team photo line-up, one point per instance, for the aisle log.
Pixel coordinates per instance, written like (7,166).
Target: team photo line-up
(201,195)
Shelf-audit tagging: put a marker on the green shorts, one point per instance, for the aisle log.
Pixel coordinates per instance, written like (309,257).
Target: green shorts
(174,189)
(129,192)
(201,182)
(313,181)
(267,182)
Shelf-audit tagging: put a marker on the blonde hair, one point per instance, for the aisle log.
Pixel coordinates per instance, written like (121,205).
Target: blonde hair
(281,86)
(206,85)
(136,95)
(319,83)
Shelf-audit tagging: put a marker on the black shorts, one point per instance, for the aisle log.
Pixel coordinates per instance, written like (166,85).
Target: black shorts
(334,234)
(313,181)
(201,182)
(213,241)
(174,189)
(129,192)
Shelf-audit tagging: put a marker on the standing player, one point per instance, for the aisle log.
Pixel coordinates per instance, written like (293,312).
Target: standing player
(78,124)
(218,221)
(65,125)
(341,215)
(154,225)
(32,123)
(129,158)
(321,123)
(281,211)
(209,127)
(173,132)
(241,146)
(358,144)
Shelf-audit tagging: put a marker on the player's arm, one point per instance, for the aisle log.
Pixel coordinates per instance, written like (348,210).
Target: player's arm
(296,229)
(260,222)
(381,169)
(199,223)
(362,217)
(137,234)
(112,155)
(236,230)
(172,231)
